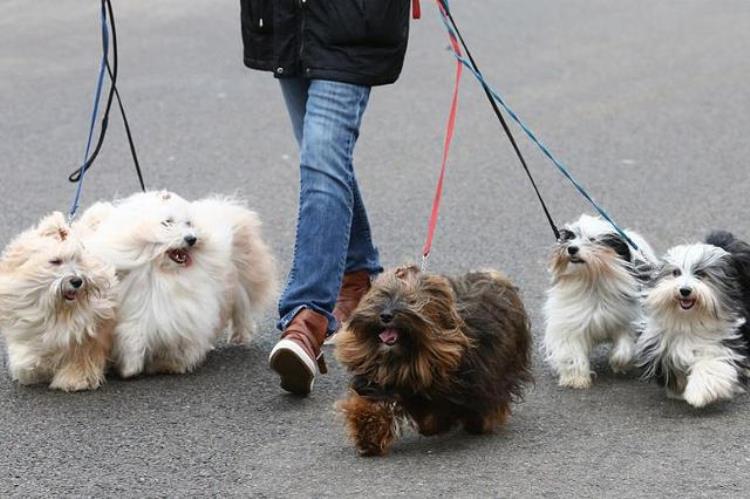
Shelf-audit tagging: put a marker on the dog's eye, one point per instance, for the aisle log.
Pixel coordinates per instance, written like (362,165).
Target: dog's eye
(189,223)
(168,222)
(676,273)
(56,261)
(700,273)
(566,235)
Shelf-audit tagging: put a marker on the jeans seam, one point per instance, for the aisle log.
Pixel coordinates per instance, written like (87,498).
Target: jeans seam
(351,141)
(350,153)
(293,269)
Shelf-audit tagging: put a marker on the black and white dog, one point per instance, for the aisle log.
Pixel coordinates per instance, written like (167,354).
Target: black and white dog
(696,337)
(595,297)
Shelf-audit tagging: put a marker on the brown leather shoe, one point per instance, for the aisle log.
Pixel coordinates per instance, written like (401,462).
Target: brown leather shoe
(353,287)
(297,357)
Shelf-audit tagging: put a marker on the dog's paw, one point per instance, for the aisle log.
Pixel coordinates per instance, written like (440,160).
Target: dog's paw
(167,366)
(577,381)
(241,335)
(697,396)
(129,370)
(74,384)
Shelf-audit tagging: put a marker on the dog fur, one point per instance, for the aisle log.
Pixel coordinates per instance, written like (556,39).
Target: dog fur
(696,337)
(595,297)
(187,270)
(57,308)
(434,352)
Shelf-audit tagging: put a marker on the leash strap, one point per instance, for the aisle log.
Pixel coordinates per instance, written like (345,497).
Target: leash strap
(113,92)
(453,32)
(449,132)
(97,95)
(495,98)
(138,172)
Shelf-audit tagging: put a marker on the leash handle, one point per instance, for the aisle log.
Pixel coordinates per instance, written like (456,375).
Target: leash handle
(449,133)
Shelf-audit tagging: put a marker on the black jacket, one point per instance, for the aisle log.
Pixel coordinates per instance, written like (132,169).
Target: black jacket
(351,41)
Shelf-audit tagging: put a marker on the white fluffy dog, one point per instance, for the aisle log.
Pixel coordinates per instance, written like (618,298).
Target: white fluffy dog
(57,308)
(696,341)
(595,298)
(186,271)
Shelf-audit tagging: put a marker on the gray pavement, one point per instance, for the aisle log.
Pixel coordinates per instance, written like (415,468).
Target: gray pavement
(648,102)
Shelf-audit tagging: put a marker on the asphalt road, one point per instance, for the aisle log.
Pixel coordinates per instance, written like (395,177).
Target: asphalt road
(648,103)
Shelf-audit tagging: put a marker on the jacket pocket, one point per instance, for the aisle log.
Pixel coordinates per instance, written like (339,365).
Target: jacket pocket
(373,23)
(258,15)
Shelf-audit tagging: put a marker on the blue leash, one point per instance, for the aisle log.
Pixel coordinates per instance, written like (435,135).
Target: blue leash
(99,83)
(450,25)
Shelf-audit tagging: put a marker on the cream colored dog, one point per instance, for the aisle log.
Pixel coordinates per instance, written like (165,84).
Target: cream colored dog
(56,308)
(187,270)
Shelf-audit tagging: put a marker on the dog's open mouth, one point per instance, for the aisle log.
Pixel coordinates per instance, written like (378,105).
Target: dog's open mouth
(575,259)
(687,303)
(179,256)
(70,295)
(389,336)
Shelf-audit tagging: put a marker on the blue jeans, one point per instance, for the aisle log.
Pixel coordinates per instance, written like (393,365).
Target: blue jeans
(333,233)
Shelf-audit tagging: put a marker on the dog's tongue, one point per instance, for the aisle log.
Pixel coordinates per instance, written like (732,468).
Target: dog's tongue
(389,336)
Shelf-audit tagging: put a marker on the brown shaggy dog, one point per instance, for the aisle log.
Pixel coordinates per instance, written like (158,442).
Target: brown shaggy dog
(434,352)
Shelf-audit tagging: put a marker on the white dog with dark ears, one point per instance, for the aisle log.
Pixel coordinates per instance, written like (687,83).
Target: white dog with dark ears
(696,340)
(57,308)
(594,298)
(187,270)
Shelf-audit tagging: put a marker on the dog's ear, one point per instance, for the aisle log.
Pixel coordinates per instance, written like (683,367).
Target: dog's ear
(406,271)
(652,273)
(54,226)
(617,244)
(18,252)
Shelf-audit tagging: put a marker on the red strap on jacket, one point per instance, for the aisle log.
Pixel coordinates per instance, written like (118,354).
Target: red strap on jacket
(450,128)
(416,9)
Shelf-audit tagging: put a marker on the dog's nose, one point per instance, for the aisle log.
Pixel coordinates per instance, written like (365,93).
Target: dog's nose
(685,292)
(386,317)
(76,282)
(191,240)
(572,250)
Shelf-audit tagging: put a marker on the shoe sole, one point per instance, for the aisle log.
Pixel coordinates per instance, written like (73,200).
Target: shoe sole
(294,366)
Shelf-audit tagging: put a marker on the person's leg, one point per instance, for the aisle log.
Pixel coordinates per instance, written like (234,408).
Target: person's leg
(331,128)
(362,260)
(362,253)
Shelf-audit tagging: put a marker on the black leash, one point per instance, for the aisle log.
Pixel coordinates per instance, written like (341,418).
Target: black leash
(506,128)
(113,92)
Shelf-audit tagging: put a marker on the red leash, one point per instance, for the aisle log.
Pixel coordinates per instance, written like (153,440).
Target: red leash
(450,128)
